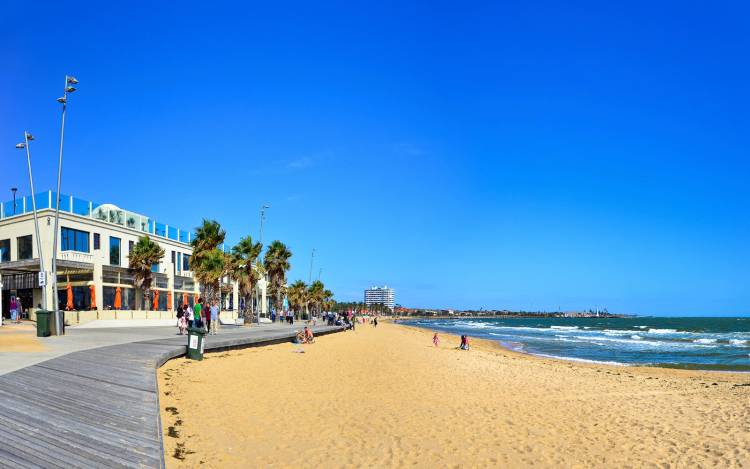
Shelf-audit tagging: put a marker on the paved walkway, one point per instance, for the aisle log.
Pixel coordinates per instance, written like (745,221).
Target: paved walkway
(99,407)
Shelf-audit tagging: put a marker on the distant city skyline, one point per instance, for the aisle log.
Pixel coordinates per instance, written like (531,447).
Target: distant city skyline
(526,156)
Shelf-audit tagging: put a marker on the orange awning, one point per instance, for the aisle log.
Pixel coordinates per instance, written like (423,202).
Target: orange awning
(170,305)
(118,298)
(69,303)
(93,296)
(156,300)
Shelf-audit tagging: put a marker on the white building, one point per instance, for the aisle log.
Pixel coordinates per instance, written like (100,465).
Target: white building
(380,295)
(94,241)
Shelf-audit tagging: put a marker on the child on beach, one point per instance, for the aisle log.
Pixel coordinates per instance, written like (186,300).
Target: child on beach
(436,340)
(464,342)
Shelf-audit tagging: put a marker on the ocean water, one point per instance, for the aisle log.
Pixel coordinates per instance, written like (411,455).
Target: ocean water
(691,343)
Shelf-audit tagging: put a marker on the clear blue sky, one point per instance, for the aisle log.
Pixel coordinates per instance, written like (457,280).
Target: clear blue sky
(498,155)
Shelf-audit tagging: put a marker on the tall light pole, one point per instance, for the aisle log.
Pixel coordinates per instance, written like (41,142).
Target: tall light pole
(262,218)
(309,277)
(14,190)
(69,82)
(260,240)
(320,272)
(27,137)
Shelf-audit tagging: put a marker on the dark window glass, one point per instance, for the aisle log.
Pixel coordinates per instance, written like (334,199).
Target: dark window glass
(97,243)
(155,267)
(179,261)
(74,240)
(25,250)
(185,262)
(114,251)
(4,250)
(173,255)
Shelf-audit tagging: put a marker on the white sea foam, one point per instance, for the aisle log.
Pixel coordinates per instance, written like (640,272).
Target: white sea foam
(582,360)
(616,332)
(642,327)
(705,341)
(636,337)
(738,342)
(564,328)
(662,331)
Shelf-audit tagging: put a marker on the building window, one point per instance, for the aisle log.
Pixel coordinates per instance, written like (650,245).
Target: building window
(74,240)
(185,262)
(155,267)
(25,250)
(179,261)
(4,250)
(97,243)
(114,251)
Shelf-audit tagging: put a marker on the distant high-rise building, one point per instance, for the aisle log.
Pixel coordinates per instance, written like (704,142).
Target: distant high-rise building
(380,295)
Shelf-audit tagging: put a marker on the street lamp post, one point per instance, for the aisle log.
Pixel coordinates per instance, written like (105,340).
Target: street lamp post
(260,240)
(309,276)
(14,190)
(25,145)
(69,81)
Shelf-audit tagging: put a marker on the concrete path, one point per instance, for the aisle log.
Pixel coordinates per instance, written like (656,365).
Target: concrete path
(99,406)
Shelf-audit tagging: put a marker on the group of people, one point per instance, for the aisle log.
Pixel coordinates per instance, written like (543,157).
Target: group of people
(200,316)
(464,345)
(16,310)
(305,336)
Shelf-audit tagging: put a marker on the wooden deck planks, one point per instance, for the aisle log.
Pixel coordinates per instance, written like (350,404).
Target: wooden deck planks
(99,408)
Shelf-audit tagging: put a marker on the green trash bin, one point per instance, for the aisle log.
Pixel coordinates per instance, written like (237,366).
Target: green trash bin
(42,323)
(195,343)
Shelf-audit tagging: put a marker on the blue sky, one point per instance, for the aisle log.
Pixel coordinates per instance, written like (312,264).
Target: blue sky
(523,155)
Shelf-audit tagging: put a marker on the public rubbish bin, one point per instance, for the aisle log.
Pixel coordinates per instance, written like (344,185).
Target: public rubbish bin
(42,323)
(195,343)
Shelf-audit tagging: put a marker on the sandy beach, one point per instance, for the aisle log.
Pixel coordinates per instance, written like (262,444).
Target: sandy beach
(20,338)
(386,397)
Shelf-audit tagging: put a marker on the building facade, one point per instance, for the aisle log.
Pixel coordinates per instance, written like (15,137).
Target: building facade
(94,242)
(380,295)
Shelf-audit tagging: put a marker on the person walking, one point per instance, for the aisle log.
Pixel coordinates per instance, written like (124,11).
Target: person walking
(188,315)
(197,313)
(214,320)
(180,317)
(13,310)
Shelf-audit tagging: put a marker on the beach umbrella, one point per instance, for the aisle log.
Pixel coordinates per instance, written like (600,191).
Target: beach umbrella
(156,300)
(93,296)
(184,299)
(169,300)
(69,302)
(118,298)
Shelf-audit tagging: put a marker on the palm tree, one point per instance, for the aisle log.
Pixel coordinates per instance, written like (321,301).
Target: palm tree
(298,296)
(315,292)
(244,271)
(328,301)
(209,262)
(276,262)
(144,255)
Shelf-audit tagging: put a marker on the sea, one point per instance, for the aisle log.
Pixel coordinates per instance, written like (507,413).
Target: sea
(702,343)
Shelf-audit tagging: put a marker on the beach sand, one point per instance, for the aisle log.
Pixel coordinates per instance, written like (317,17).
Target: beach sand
(20,338)
(387,397)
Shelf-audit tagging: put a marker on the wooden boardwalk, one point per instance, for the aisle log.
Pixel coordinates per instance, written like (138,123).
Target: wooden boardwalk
(100,407)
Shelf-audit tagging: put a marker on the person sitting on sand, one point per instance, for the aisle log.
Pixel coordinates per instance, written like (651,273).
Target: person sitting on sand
(436,340)
(300,338)
(309,337)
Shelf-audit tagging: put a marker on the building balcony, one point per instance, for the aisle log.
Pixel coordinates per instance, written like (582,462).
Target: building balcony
(75,256)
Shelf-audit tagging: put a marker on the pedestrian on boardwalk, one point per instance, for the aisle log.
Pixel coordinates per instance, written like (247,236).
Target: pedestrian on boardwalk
(189,315)
(181,322)
(214,318)
(197,313)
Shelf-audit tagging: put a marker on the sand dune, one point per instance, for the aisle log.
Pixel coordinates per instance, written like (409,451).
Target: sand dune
(386,397)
